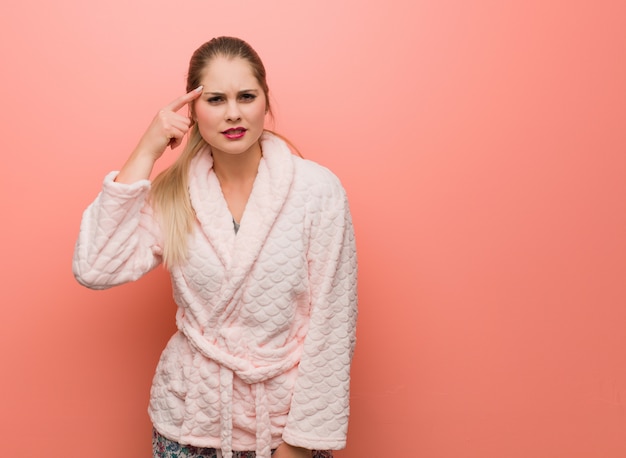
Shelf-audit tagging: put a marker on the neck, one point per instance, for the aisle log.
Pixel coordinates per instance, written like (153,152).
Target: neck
(234,168)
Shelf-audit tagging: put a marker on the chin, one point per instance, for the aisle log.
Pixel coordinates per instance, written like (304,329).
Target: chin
(231,149)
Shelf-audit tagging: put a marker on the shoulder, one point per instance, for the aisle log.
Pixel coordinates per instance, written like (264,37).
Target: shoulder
(316,179)
(309,178)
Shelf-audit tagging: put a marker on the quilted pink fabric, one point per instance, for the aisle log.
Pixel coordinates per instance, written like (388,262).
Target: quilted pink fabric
(266,317)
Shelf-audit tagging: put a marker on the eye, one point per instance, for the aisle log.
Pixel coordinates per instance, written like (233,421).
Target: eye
(215,100)
(246,97)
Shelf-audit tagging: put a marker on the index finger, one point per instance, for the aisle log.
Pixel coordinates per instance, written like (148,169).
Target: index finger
(184,99)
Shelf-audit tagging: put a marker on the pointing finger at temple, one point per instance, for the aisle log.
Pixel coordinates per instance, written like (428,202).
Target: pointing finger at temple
(184,99)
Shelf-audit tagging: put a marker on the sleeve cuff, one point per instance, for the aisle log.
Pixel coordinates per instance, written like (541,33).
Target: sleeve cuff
(113,188)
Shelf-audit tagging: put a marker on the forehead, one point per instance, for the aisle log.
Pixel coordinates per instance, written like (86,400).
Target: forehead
(222,74)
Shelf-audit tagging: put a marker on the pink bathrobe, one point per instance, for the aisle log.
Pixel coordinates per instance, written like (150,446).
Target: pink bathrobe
(266,317)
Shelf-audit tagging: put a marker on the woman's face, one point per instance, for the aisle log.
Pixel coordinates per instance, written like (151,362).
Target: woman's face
(231,110)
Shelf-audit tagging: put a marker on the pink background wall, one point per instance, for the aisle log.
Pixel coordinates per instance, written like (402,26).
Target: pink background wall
(482,144)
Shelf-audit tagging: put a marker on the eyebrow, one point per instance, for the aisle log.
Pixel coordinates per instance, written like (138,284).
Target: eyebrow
(222,94)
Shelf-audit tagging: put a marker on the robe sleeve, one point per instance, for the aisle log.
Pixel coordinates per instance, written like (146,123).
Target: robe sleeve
(318,416)
(118,240)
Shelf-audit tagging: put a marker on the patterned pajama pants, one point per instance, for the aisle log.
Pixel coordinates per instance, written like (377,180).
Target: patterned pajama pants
(165,448)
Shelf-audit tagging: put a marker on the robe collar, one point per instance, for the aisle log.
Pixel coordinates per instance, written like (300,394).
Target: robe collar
(270,190)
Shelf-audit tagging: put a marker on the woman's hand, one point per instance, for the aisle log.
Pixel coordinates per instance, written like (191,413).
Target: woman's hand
(285,450)
(166,129)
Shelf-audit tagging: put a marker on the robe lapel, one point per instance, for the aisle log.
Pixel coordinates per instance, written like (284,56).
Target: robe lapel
(269,193)
(210,206)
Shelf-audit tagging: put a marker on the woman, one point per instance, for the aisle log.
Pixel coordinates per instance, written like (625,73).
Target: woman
(260,248)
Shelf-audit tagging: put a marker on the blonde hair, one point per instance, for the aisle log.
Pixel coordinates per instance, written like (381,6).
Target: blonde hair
(169,195)
(170,199)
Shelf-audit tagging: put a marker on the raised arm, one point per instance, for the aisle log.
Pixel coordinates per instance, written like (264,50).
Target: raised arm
(166,129)
(119,240)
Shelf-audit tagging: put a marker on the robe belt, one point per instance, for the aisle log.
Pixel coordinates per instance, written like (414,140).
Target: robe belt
(251,374)
(264,425)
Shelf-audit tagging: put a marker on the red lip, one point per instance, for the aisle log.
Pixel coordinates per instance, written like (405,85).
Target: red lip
(234,133)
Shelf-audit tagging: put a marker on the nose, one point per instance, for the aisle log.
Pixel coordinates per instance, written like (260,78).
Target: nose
(232,112)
